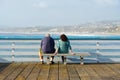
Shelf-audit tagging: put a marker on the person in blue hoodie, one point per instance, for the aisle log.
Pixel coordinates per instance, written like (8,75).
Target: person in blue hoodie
(47,46)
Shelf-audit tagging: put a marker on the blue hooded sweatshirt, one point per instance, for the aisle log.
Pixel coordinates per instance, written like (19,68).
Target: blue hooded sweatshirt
(47,45)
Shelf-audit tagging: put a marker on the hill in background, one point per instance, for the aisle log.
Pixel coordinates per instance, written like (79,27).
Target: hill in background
(105,27)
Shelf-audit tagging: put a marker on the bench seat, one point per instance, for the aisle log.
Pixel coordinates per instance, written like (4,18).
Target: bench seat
(81,55)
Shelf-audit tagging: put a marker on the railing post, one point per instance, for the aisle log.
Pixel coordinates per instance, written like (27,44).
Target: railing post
(97,51)
(13,51)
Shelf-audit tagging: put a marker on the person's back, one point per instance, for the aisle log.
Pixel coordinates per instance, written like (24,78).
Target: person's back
(64,46)
(47,45)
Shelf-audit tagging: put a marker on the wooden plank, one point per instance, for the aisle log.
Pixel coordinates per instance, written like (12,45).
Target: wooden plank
(101,72)
(8,70)
(111,73)
(73,74)
(53,75)
(35,72)
(82,72)
(44,72)
(16,72)
(93,75)
(25,73)
(115,69)
(63,72)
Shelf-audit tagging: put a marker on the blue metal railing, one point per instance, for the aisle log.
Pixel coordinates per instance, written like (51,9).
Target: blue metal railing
(102,49)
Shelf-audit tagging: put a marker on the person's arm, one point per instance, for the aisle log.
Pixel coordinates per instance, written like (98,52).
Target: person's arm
(56,51)
(58,45)
(70,48)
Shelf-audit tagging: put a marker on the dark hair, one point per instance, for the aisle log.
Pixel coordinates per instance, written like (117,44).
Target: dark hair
(63,37)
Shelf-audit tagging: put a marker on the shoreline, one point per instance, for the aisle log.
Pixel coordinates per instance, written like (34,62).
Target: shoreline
(58,33)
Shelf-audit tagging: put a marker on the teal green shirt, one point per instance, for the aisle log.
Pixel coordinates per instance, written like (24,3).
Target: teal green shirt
(63,46)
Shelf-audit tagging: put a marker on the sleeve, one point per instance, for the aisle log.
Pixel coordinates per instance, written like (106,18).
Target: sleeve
(58,44)
(69,45)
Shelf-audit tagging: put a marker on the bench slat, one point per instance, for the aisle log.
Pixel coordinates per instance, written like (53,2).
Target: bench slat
(66,54)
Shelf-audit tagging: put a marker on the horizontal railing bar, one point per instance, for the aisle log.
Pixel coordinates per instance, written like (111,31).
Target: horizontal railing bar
(103,41)
(109,53)
(28,53)
(5,46)
(20,41)
(109,47)
(96,47)
(80,47)
(5,56)
(27,47)
(27,56)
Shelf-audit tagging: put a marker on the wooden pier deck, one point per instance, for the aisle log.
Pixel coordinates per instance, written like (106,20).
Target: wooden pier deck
(37,71)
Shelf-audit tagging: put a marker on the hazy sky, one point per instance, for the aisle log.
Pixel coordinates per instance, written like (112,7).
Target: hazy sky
(57,12)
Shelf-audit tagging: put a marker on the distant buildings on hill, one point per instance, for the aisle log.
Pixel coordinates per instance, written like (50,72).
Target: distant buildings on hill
(98,27)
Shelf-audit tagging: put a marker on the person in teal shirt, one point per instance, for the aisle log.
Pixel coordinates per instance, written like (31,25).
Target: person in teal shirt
(63,47)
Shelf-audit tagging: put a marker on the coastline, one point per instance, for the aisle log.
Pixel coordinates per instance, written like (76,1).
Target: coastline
(58,33)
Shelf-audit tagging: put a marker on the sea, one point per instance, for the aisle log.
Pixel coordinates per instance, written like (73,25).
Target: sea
(15,36)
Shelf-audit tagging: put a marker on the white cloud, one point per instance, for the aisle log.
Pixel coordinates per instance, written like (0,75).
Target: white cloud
(108,2)
(40,5)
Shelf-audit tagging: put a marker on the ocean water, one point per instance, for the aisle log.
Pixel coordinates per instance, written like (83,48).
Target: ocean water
(15,36)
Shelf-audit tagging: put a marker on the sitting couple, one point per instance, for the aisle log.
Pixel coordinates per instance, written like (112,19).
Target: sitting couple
(48,46)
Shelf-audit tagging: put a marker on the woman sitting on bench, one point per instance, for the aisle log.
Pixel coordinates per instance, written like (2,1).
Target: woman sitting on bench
(63,46)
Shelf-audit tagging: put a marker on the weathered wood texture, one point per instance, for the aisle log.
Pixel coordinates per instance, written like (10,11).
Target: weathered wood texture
(37,71)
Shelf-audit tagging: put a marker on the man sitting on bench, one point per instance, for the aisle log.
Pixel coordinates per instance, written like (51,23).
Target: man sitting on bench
(47,46)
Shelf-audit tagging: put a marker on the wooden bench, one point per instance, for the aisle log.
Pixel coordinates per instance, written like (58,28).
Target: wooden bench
(81,55)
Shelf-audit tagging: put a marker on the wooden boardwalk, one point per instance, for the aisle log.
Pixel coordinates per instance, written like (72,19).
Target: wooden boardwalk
(37,71)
